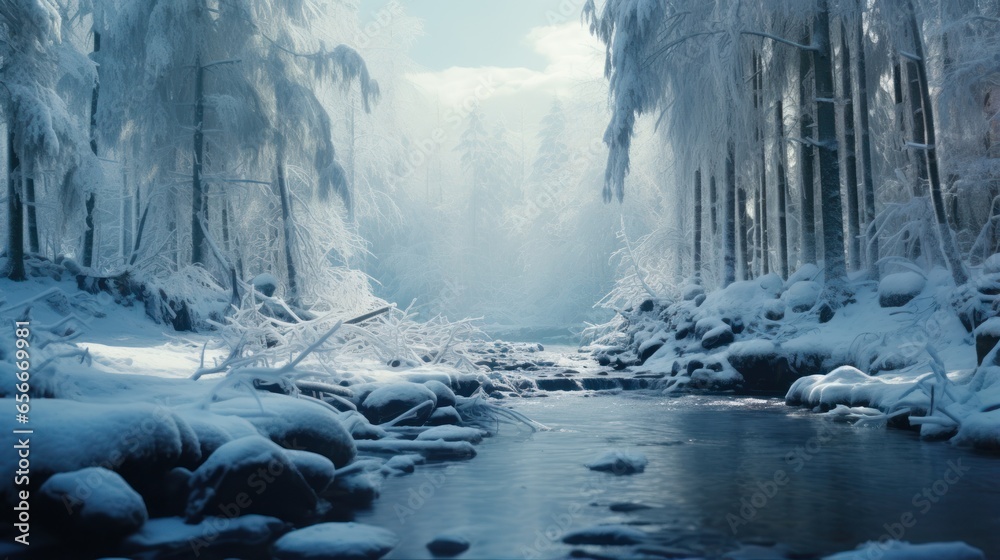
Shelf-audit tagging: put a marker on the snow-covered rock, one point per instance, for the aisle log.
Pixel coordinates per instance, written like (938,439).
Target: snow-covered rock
(335,541)
(93,503)
(139,441)
(433,450)
(987,336)
(214,430)
(359,426)
(356,489)
(444,415)
(772,284)
(390,401)
(606,535)
(762,364)
(249,475)
(718,336)
(448,544)
(295,424)
(452,433)
(807,272)
(706,324)
(773,310)
(619,463)
(445,396)
(981,429)
(896,290)
(172,537)
(317,470)
(690,292)
(403,464)
(901,550)
(265,283)
(802,296)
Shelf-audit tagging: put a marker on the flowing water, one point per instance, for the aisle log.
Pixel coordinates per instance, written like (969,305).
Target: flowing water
(723,473)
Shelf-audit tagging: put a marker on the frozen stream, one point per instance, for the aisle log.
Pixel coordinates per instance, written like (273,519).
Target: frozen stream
(524,491)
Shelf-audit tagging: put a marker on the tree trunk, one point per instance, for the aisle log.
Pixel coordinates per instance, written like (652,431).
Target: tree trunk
(948,246)
(713,198)
(88,234)
(849,155)
(713,201)
(15,215)
(782,190)
(829,166)
(806,157)
(697,223)
(197,194)
(728,215)
(127,216)
(863,129)
(225,226)
(286,219)
(29,197)
(917,126)
(763,252)
(746,239)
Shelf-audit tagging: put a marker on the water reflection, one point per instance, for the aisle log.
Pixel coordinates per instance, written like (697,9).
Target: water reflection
(721,472)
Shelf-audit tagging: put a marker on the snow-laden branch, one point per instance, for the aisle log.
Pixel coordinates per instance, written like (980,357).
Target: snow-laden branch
(221,62)
(666,48)
(781,40)
(804,141)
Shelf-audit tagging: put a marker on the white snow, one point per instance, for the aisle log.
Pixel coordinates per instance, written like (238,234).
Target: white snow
(807,272)
(452,433)
(432,450)
(619,462)
(80,435)
(174,538)
(95,498)
(901,550)
(294,423)
(901,286)
(802,295)
(341,541)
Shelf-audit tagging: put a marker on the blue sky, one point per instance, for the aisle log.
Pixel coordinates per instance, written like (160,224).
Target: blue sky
(523,53)
(472,33)
(475,33)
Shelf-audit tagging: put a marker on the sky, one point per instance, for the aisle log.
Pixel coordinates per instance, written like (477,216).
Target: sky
(512,57)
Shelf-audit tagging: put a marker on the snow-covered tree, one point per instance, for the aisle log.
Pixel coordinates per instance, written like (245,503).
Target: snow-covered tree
(43,133)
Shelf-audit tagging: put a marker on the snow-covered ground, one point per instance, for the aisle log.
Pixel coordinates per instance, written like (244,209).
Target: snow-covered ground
(157,463)
(898,346)
(296,434)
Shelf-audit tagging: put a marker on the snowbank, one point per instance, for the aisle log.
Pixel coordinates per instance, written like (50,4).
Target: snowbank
(900,550)
(344,541)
